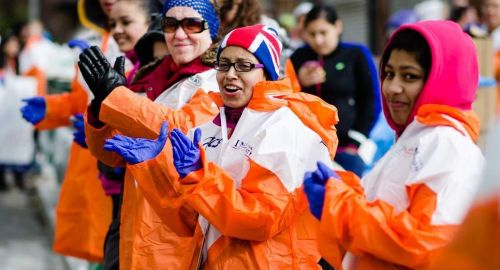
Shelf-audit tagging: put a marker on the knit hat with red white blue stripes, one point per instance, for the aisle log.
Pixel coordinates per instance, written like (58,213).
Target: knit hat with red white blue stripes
(262,41)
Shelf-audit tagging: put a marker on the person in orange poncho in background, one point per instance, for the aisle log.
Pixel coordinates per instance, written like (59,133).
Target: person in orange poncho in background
(409,206)
(83,212)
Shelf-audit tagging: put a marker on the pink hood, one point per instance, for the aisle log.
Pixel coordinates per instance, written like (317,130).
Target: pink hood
(454,75)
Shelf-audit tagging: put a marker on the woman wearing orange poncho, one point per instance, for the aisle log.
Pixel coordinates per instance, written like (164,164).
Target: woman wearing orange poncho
(409,206)
(83,211)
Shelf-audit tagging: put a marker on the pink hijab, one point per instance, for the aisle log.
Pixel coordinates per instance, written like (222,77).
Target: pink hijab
(453,76)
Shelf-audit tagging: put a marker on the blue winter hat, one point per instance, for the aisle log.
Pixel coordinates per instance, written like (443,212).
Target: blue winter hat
(204,7)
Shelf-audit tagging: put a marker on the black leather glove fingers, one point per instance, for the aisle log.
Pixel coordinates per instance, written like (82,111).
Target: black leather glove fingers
(93,70)
(115,76)
(97,57)
(99,75)
(120,65)
(88,71)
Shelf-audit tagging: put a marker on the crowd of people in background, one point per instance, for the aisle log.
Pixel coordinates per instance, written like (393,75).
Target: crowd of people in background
(209,135)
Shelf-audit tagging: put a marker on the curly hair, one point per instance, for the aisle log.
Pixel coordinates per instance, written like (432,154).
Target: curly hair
(249,13)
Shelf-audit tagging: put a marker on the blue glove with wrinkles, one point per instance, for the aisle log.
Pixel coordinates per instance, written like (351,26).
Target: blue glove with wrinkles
(186,152)
(137,150)
(79,134)
(314,187)
(34,110)
(78,43)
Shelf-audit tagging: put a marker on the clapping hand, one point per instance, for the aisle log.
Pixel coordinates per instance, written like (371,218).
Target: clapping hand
(314,187)
(98,73)
(186,152)
(137,150)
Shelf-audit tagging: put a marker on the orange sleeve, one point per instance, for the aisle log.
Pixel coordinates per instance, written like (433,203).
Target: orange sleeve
(95,138)
(40,78)
(60,107)
(158,180)
(124,112)
(257,210)
(137,116)
(290,72)
(375,229)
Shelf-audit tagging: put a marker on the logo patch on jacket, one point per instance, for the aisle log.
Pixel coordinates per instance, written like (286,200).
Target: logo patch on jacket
(195,80)
(243,146)
(211,142)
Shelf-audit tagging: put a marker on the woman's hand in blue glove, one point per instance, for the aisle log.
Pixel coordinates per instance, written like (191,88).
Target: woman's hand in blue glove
(137,150)
(314,186)
(34,110)
(79,126)
(186,152)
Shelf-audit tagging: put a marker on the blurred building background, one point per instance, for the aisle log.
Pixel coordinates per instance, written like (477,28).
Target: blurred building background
(364,20)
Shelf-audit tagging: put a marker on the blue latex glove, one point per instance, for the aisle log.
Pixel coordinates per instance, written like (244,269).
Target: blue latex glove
(137,150)
(78,43)
(79,134)
(34,110)
(314,186)
(186,152)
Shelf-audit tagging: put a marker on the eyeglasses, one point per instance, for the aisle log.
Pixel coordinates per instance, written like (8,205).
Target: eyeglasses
(241,66)
(189,25)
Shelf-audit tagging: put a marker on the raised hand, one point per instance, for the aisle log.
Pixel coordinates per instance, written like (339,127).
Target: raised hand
(98,73)
(137,150)
(79,126)
(314,187)
(35,109)
(186,152)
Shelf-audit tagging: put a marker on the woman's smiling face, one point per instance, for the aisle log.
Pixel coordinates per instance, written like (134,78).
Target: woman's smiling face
(127,24)
(237,87)
(185,47)
(403,82)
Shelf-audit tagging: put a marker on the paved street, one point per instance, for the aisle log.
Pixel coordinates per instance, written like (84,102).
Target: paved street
(24,240)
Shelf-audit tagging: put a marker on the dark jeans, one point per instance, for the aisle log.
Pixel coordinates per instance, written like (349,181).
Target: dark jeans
(112,242)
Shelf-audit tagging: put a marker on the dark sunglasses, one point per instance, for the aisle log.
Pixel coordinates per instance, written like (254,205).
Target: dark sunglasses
(189,25)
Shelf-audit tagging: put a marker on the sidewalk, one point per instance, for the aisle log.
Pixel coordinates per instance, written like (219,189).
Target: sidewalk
(47,190)
(25,242)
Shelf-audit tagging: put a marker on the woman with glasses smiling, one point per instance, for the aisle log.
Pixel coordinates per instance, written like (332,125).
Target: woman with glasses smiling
(153,236)
(241,172)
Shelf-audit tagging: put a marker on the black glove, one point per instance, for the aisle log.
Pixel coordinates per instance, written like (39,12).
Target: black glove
(99,75)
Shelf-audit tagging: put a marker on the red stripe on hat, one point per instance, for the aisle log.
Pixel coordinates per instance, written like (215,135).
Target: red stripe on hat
(242,37)
(272,38)
(274,42)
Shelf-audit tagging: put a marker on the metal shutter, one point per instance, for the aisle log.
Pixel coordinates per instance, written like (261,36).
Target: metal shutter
(354,15)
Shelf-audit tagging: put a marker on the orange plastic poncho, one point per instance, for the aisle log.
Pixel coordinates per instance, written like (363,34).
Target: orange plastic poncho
(83,211)
(260,223)
(152,236)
